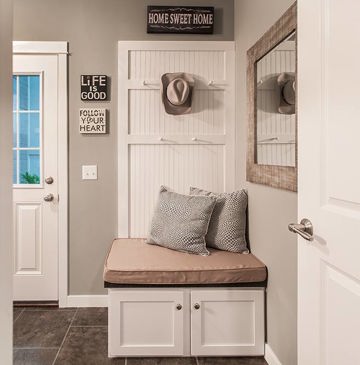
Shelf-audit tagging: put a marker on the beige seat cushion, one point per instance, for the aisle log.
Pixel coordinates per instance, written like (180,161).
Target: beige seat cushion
(132,261)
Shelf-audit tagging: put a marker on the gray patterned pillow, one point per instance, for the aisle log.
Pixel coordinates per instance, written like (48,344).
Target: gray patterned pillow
(180,222)
(227,226)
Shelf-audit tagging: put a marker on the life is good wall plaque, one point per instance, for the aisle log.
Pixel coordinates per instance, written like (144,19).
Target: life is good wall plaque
(92,121)
(94,87)
(180,19)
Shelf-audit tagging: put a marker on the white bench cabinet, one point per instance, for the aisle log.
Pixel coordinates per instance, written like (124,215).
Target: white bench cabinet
(227,322)
(186,322)
(146,323)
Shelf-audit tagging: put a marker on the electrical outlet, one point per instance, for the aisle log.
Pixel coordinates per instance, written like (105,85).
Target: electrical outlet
(89,172)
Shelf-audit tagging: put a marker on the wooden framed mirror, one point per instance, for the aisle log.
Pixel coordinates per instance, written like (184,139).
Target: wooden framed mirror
(272,121)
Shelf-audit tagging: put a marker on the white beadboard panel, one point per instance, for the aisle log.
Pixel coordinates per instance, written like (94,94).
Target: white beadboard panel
(281,154)
(148,117)
(176,166)
(151,64)
(276,133)
(27,238)
(155,148)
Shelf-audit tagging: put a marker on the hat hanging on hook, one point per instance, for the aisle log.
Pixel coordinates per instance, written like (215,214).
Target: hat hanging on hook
(287,85)
(176,92)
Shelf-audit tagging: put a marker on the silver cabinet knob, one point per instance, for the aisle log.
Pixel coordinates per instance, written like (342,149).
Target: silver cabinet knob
(196,306)
(49,180)
(49,198)
(179,307)
(304,229)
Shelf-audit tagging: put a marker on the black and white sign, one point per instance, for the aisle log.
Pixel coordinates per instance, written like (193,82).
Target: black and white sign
(94,87)
(180,19)
(92,121)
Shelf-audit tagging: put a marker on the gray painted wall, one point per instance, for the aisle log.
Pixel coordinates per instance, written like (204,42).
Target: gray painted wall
(270,210)
(93,28)
(6,261)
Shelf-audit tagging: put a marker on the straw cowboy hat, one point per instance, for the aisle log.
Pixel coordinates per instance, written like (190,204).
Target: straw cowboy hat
(286,83)
(176,92)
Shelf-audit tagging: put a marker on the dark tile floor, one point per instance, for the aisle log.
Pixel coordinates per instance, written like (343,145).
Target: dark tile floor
(78,336)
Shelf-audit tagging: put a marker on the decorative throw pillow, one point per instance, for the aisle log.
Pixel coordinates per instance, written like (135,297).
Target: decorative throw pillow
(180,222)
(227,226)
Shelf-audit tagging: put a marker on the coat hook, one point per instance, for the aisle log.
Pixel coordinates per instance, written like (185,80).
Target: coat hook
(161,138)
(211,83)
(194,139)
(269,140)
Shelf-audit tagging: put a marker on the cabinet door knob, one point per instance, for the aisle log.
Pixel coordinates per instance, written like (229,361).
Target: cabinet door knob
(197,306)
(179,307)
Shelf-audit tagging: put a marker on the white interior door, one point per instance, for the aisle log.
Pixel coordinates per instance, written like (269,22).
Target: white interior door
(329,181)
(35,177)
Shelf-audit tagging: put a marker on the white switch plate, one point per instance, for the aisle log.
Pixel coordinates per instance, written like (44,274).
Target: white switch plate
(89,172)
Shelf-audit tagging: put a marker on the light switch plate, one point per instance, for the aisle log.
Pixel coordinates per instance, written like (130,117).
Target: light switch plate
(89,172)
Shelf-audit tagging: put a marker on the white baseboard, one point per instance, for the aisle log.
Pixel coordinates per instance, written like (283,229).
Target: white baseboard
(270,356)
(87,301)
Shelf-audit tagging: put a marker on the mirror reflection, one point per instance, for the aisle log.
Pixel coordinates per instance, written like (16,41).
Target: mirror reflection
(275,105)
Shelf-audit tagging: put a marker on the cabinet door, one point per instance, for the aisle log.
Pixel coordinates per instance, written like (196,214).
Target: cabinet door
(227,322)
(146,323)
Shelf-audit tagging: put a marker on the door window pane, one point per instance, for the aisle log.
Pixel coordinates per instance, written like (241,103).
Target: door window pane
(29,125)
(29,170)
(27,155)
(29,93)
(15,130)
(15,170)
(14,92)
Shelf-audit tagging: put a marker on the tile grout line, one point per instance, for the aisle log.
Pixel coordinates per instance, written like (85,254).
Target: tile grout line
(197,361)
(62,343)
(125,363)
(35,348)
(88,325)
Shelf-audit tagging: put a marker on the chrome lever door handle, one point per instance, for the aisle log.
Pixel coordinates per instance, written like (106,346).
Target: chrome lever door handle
(304,229)
(49,198)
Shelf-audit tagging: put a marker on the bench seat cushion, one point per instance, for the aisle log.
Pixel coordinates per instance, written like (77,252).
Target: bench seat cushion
(132,261)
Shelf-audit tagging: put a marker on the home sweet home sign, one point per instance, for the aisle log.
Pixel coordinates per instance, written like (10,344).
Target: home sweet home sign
(180,19)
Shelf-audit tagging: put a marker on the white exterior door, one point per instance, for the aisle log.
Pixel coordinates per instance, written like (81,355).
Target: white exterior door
(35,177)
(329,181)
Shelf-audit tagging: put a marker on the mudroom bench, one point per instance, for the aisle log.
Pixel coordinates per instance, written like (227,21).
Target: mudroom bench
(168,303)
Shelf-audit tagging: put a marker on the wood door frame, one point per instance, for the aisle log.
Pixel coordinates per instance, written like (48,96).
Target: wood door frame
(61,50)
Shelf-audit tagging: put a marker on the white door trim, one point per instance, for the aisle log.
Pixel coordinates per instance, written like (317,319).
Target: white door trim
(61,50)
(40,47)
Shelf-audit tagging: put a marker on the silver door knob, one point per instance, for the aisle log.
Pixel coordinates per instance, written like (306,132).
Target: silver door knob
(197,306)
(304,229)
(49,180)
(49,198)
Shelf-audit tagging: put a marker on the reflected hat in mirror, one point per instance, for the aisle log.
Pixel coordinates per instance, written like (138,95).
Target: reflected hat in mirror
(176,92)
(286,83)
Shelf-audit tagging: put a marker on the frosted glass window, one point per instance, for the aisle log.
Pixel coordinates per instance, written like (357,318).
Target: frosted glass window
(27,155)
